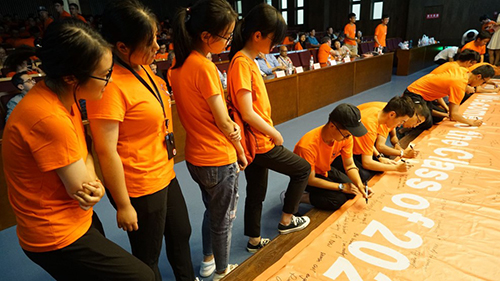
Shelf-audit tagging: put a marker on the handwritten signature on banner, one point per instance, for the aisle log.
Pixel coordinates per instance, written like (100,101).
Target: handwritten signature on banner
(439,221)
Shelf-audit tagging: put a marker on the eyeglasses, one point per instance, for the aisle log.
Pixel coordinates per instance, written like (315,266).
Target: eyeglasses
(418,119)
(108,76)
(228,39)
(343,136)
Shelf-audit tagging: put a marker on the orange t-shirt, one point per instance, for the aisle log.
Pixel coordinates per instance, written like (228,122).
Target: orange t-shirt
(244,74)
(381,33)
(160,56)
(324,54)
(369,117)
(80,17)
(350,30)
(193,83)
(435,86)
(298,47)
(171,46)
(489,26)
(64,15)
(320,155)
(30,41)
(445,67)
(141,140)
(40,137)
(287,41)
(471,46)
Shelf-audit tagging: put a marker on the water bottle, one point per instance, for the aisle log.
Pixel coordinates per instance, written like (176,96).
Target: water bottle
(411,44)
(311,63)
(224,79)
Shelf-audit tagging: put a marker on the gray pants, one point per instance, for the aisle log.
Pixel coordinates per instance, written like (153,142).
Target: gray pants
(219,190)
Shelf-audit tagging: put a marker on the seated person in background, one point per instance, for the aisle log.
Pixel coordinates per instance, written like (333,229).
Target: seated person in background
(301,44)
(381,33)
(479,45)
(339,51)
(60,12)
(312,39)
(397,149)
(154,68)
(75,12)
(469,35)
(446,55)
(162,53)
(24,83)
(289,40)
(487,24)
(268,64)
(284,60)
(328,188)
(325,52)
(453,83)
(329,33)
(378,122)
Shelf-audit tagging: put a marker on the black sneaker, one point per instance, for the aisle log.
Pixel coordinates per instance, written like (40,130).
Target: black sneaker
(297,223)
(253,249)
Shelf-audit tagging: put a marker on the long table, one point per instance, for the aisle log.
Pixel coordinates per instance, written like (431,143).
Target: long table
(415,59)
(290,97)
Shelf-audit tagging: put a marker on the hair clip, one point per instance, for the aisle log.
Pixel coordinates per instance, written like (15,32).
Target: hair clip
(188,16)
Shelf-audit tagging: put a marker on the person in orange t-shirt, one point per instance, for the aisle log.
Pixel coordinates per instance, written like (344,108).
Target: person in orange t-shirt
(327,187)
(301,44)
(479,45)
(481,89)
(162,54)
(133,137)
(61,13)
(214,153)
(325,52)
(351,41)
(44,19)
(379,122)
(50,175)
(75,12)
(264,28)
(452,84)
(289,40)
(381,33)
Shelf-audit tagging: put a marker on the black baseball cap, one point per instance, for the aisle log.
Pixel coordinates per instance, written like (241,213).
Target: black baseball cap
(42,8)
(348,116)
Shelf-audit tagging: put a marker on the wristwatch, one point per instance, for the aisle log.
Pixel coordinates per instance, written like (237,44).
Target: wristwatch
(379,155)
(341,187)
(402,153)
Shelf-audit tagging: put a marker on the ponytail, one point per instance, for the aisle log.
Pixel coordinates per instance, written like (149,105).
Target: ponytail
(212,16)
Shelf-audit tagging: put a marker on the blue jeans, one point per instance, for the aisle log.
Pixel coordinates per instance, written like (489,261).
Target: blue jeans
(219,190)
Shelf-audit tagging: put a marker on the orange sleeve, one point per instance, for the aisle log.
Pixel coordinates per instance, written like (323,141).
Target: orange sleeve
(208,82)
(364,144)
(242,76)
(53,144)
(110,107)
(307,155)
(457,92)
(298,47)
(346,150)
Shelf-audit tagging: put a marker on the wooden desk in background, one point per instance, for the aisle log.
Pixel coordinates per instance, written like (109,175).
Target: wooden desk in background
(415,59)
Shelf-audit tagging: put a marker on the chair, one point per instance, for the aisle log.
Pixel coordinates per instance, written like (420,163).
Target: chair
(224,56)
(5,97)
(314,52)
(371,46)
(304,56)
(295,59)
(223,66)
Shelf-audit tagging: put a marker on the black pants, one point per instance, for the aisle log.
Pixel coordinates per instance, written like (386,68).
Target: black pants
(440,61)
(364,174)
(92,257)
(327,199)
(163,214)
(283,161)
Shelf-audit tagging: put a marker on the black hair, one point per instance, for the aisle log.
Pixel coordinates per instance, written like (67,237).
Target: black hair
(129,22)
(74,5)
(469,55)
(385,16)
(483,17)
(58,2)
(350,15)
(17,80)
(483,35)
(263,18)
(325,39)
(70,48)
(403,106)
(421,108)
(486,71)
(212,16)
(336,40)
(17,57)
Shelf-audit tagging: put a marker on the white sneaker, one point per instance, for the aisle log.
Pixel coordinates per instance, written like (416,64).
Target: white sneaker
(207,268)
(218,276)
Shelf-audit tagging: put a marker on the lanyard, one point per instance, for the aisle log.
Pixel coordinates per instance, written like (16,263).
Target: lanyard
(155,93)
